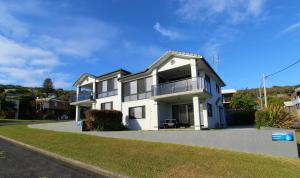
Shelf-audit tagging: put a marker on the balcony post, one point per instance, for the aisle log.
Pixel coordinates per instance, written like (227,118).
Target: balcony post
(194,72)
(77,114)
(197,113)
(94,89)
(78,90)
(154,82)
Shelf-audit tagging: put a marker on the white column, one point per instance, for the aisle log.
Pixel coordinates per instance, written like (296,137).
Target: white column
(94,89)
(154,116)
(204,113)
(77,116)
(194,74)
(193,68)
(154,111)
(197,112)
(119,87)
(77,92)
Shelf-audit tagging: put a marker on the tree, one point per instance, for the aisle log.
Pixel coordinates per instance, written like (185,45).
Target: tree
(48,85)
(241,100)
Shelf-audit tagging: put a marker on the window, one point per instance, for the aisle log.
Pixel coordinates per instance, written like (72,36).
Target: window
(115,83)
(110,84)
(107,106)
(207,84)
(138,89)
(149,84)
(217,88)
(137,112)
(104,86)
(209,110)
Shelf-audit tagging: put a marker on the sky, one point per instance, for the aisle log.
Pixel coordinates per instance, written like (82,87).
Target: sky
(61,39)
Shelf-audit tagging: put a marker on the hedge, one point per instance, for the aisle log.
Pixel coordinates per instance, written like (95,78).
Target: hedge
(240,117)
(103,120)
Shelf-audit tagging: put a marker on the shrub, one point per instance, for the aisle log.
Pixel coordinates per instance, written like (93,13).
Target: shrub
(274,116)
(261,118)
(103,120)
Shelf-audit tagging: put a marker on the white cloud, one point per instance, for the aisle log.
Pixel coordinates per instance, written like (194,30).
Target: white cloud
(290,28)
(26,65)
(172,34)
(235,11)
(31,52)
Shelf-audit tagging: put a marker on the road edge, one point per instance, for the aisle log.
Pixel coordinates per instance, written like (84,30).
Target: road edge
(93,169)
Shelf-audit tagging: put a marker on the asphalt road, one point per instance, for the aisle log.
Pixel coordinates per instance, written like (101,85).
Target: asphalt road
(15,161)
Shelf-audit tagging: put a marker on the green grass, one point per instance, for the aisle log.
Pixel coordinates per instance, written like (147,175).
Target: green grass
(149,159)
(12,120)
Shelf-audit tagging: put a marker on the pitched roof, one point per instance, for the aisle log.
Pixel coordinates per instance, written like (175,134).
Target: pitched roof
(166,56)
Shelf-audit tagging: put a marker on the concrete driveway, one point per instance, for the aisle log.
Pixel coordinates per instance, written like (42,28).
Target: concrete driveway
(238,139)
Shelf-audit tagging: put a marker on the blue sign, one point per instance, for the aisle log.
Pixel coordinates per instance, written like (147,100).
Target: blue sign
(283,136)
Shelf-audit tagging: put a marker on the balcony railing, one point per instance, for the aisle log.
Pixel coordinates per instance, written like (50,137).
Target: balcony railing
(178,86)
(107,93)
(82,97)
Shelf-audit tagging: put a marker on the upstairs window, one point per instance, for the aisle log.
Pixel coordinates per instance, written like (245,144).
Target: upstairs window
(137,89)
(207,84)
(217,88)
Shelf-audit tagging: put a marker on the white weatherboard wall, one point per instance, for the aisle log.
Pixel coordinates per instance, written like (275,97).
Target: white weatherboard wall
(115,99)
(212,121)
(147,123)
(176,62)
(87,80)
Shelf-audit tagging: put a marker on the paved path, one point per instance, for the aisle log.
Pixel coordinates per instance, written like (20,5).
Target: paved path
(238,139)
(15,161)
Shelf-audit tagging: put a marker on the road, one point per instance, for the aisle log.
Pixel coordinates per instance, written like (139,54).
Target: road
(15,161)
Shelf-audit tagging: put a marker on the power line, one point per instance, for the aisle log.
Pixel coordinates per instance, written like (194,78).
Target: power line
(264,77)
(283,69)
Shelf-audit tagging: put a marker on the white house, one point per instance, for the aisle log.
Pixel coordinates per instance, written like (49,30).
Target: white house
(178,86)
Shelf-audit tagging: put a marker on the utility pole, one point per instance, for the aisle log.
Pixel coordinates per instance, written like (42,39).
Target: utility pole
(260,97)
(265,90)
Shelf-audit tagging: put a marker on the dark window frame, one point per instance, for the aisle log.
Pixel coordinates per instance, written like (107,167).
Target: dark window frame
(133,117)
(218,88)
(141,90)
(208,83)
(209,110)
(103,105)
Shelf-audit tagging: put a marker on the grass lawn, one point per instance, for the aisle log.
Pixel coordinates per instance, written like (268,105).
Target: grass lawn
(148,159)
(12,120)
(4,121)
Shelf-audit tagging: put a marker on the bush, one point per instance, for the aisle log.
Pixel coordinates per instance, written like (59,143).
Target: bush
(261,118)
(103,120)
(274,116)
(240,117)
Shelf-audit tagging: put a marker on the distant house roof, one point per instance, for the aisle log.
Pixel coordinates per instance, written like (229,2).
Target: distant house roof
(228,91)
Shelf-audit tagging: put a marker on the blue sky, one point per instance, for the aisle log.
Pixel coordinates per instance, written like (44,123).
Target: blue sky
(62,39)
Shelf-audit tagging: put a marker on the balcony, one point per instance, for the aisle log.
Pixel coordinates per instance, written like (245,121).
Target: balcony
(191,84)
(85,96)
